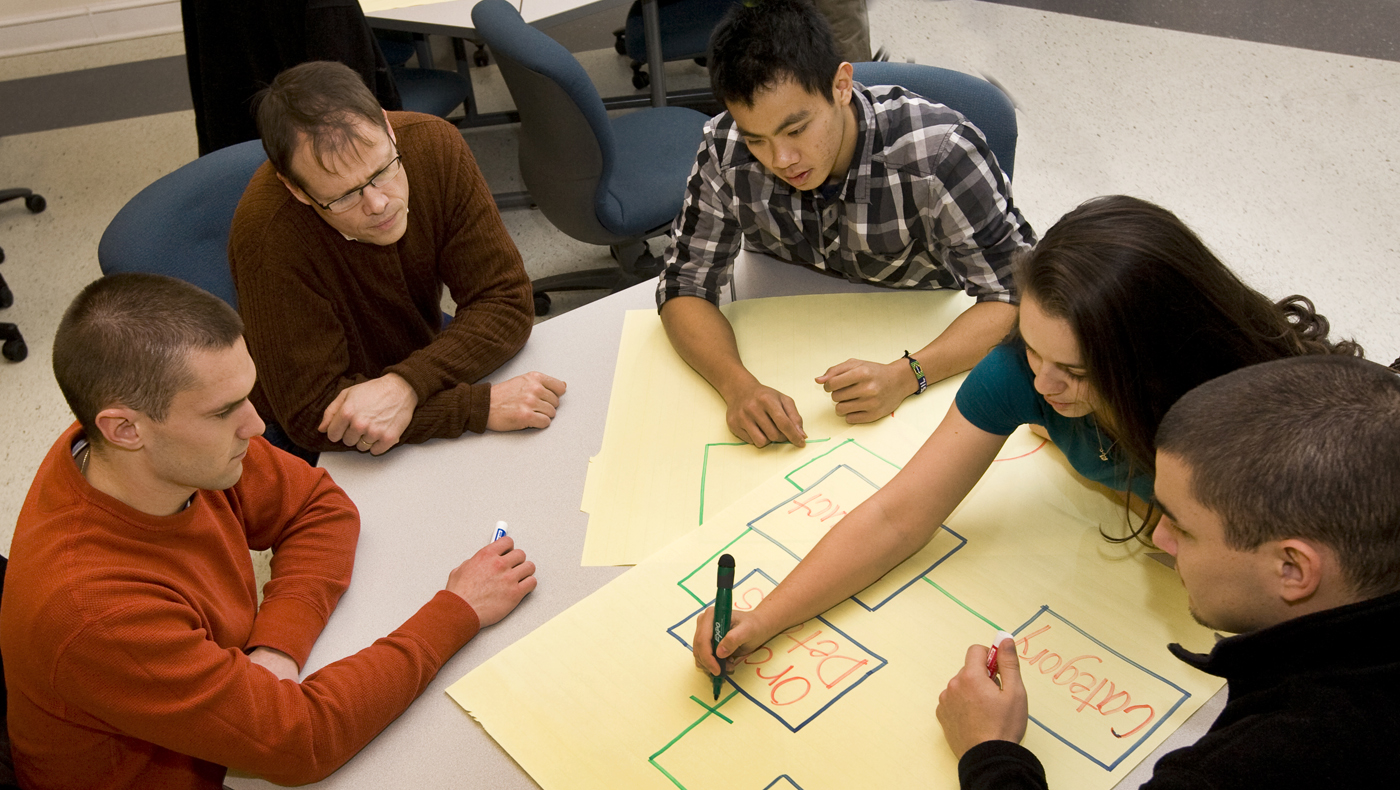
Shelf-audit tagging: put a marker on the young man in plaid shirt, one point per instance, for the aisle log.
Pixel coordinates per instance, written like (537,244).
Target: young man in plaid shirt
(876,185)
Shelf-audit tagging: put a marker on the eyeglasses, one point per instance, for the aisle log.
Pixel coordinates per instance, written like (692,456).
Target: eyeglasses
(352,198)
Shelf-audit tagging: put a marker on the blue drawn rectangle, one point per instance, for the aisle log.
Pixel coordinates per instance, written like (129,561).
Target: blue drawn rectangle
(1106,764)
(903,585)
(798,725)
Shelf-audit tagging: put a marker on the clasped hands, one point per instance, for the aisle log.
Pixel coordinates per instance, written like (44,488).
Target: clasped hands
(371,416)
(863,392)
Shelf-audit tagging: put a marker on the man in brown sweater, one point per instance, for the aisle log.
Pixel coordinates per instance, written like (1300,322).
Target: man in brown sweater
(340,267)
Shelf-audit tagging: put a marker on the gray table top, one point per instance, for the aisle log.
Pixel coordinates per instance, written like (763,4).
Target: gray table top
(426,508)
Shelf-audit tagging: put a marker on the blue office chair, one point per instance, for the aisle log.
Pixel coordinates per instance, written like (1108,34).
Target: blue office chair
(980,101)
(686,26)
(426,90)
(609,181)
(179,225)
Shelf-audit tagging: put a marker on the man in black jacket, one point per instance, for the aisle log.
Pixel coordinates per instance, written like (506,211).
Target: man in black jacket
(1280,486)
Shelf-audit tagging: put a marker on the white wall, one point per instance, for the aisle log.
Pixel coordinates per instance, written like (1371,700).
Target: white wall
(40,25)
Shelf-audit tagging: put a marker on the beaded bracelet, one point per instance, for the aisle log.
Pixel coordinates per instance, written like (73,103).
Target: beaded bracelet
(918,373)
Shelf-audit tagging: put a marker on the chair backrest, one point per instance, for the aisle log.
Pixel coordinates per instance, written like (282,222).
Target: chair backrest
(980,101)
(567,147)
(179,225)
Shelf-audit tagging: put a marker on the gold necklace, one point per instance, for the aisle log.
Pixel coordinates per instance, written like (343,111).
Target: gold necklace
(86,452)
(1103,454)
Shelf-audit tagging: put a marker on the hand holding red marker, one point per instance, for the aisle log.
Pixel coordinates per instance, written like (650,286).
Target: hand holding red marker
(1001,636)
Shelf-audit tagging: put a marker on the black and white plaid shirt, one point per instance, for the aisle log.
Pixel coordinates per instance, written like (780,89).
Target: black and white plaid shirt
(924,206)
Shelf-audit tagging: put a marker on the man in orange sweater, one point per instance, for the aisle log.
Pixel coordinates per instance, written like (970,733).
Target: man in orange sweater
(136,653)
(340,268)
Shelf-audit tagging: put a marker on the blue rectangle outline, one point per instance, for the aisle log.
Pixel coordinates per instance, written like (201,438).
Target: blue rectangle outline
(962,541)
(730,680)
(1044,609)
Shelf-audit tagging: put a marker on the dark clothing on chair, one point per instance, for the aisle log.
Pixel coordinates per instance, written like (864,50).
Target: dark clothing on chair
(233,50)
(1313,703)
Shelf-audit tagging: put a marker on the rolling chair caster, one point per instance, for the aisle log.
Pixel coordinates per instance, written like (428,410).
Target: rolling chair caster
(640,79)
(480,58)
(14,348)
(542,304)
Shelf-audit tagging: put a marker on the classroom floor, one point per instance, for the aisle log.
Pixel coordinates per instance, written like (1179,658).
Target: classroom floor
(1267,125)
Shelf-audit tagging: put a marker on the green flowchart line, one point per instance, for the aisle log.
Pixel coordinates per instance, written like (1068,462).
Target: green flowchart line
(708,712)
(788,476)
(955,600)
(705,467)
(706,563)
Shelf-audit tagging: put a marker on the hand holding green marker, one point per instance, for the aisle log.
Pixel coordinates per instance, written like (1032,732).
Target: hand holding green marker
(724,605)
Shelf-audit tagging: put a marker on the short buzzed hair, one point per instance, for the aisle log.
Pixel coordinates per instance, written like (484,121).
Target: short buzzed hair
(322,100)
(125,341)
(1306,447)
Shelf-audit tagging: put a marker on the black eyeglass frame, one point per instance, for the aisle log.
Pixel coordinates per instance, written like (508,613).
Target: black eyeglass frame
(358,191)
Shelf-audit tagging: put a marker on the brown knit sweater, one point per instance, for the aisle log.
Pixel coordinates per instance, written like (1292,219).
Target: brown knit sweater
(323,313)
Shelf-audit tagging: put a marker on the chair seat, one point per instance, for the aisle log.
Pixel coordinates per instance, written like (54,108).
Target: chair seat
(656,150)
(431,91)
(686,26)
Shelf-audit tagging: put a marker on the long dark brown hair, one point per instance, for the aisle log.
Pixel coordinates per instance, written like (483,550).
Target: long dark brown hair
(1156,314)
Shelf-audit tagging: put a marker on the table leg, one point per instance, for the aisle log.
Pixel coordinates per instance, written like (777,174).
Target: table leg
(656,63)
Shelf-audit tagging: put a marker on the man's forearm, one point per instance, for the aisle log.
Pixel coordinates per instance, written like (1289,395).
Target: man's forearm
(703,337)
(963,344)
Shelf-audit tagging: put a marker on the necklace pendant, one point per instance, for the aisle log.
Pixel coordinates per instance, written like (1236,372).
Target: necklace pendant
(1103,455)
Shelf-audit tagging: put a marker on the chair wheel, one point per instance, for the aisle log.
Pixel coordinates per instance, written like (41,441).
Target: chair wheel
(15,350)
(640,79)
(620,41)
(2,256)
(35,203)
(542,303)
(480,58)
(7,297)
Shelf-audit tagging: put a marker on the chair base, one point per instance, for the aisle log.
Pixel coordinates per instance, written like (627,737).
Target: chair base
(35,203)
(14,348)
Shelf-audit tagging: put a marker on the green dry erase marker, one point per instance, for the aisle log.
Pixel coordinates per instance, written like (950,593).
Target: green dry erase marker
(724,605)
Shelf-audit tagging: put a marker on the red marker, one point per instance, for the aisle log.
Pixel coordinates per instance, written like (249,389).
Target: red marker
(1001,636)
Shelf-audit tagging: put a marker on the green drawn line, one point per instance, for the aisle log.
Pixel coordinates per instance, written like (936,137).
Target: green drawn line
(702,566)
(714,710)
(705,467)
(974,612)
(789,475)
(708,711)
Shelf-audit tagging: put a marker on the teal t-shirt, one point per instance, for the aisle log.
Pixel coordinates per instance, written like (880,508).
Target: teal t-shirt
(999,396)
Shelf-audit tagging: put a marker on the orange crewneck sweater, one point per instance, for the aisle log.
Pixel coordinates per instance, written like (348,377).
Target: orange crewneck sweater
(124,634)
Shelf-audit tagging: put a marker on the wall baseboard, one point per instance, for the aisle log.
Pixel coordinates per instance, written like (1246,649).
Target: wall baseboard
(88,24)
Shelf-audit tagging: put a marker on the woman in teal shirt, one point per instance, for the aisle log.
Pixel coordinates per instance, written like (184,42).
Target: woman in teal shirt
(1123,310)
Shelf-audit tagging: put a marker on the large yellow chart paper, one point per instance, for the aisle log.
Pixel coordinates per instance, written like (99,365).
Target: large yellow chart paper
(643,488)
(606,695)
